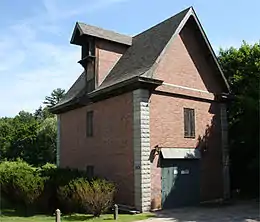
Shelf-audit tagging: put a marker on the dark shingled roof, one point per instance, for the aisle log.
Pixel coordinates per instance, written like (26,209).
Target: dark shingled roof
(77,89)
(138,60)
(146,48)
(101,33)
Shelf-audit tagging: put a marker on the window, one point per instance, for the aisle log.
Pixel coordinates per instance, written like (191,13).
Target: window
(90,171)
(88,62)
(189,123)
(88,48)
(89,130)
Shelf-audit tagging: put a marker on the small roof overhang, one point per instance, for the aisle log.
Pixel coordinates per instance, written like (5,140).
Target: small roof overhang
(82,30)
(180,153)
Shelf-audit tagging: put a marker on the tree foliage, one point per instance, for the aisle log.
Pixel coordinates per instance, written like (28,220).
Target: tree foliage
(30,136)
(20,183)
(242,70)
(54,98)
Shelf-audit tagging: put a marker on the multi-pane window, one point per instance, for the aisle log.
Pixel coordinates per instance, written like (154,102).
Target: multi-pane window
(89,127)
(189,123)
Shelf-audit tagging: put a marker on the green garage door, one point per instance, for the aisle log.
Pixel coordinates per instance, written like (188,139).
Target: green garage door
(180,182)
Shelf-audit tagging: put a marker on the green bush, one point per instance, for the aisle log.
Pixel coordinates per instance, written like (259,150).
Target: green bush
(94,197)
(67,198)
(55,178)
(98,197)
(44,189)
(20,182)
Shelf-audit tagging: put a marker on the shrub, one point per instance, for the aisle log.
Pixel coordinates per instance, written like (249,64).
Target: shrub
(48,187)
(94,197)
(69,202)
(55,178)
(20,182)
(99,196)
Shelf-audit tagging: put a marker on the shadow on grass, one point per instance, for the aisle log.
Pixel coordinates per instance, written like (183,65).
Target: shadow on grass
(106,217)
(20,213)
(13,213)
(78,217)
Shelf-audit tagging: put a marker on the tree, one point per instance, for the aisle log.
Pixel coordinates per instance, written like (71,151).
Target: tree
(42,113)
(242,70)
(54,98)
(31,136)
(28,138)
(46,141)
(19,136)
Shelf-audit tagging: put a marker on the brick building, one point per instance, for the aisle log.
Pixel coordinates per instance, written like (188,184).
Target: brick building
(149,113)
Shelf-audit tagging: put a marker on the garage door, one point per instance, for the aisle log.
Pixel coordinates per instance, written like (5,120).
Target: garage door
(180,182)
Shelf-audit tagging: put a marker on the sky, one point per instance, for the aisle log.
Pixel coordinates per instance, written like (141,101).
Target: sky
(36,56)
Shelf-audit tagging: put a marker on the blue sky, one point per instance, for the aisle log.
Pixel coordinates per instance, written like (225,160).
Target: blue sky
(36,57)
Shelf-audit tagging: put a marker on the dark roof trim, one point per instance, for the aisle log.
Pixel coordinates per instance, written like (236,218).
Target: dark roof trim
(124,86)
(82,29)
(105,93)
(66,107)
(191,12)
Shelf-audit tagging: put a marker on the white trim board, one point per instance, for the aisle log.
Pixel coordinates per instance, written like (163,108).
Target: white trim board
(180,153)
(184,87)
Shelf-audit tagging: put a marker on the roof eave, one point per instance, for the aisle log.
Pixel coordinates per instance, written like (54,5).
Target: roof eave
(75,35)
(116,89)
(193,13)
(127,85)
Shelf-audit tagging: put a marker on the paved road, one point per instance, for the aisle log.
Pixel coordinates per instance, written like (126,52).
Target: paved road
(242,212)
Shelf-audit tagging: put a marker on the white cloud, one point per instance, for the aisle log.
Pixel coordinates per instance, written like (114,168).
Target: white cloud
(57,10)
(33,62)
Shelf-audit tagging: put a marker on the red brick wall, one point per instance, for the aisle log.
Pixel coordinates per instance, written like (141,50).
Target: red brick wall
(179,66)
(108,53)
(109,150)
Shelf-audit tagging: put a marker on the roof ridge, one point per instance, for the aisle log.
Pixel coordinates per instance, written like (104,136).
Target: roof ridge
(107,30)
(147,46)
(163,21)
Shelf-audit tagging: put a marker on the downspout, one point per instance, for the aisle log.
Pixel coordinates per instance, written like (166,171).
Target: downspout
(225,151)
(58,142)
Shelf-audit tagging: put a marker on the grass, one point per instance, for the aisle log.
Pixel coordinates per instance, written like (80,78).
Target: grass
(11,216)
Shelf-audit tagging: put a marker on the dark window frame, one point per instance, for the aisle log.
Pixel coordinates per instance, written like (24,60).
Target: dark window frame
(88,48)
(189,123)
(89,123)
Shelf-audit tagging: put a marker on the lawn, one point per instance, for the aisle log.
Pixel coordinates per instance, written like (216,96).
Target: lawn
(9,216)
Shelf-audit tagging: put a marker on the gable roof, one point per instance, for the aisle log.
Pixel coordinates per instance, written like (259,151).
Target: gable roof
(146,48)
(140,59)
(89,30)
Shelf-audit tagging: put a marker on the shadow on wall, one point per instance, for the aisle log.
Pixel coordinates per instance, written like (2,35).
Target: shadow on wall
(201,56)
(197,177)
(208,168)
(180,178)
(211,166)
